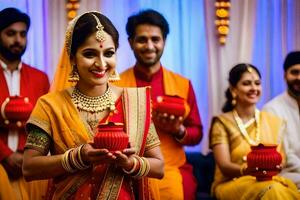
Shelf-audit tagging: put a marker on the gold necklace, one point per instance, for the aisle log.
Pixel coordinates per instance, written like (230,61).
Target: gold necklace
(243,130)
(93,104)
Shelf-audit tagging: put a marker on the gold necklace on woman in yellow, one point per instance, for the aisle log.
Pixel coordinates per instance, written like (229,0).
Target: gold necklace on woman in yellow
(243,130)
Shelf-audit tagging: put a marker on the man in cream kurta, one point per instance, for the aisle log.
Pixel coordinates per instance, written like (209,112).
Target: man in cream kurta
(287,106)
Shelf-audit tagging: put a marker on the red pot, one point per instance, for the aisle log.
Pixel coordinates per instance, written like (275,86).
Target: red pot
(264,161)
(111,136)
(172,105)
(16,108)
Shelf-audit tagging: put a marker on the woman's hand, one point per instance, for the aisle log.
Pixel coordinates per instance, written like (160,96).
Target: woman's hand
(124,158)
(96,156)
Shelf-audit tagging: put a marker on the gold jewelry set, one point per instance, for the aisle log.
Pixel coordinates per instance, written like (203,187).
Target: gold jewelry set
(243,130)
(93,104)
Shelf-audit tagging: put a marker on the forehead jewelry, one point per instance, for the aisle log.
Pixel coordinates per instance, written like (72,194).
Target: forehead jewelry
(249,69)
(100,34)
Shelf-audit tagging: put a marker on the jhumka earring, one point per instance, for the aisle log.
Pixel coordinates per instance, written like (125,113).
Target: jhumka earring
(73,76)
(233,101)
(114,76)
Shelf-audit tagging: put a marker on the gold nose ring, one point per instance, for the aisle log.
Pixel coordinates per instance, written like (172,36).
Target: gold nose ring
(97,64)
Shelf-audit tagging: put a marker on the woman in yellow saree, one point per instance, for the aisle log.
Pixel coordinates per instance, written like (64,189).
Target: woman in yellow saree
(233,133)
(65,121)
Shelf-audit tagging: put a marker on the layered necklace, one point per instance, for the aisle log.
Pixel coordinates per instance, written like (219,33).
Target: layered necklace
(93,104)
(242,127)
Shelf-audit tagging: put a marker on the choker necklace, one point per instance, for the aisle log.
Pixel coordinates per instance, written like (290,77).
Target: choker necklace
(243,130)
(93,104)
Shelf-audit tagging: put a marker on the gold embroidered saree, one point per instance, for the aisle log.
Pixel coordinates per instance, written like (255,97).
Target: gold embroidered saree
(56,114)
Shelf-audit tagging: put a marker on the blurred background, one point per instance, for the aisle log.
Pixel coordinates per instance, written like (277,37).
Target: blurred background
(255,31)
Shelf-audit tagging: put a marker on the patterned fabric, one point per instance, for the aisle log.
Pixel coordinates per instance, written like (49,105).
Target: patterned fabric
(62,122)
(38,140)
(165,82)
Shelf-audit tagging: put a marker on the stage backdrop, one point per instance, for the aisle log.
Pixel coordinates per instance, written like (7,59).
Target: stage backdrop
(261,33)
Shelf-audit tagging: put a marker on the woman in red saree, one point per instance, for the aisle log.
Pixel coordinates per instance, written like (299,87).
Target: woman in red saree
(64,122)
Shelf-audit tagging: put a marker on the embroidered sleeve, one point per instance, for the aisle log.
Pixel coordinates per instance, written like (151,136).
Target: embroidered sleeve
(38,139)
(217,133)
(152,138)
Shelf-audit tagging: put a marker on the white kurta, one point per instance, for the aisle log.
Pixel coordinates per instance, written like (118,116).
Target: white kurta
(287,108)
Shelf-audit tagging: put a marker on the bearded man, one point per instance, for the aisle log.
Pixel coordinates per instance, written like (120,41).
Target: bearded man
(287,106)
(147,33)
(16,79)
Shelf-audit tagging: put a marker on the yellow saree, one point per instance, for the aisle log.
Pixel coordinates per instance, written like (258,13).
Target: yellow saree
(62,122)
(225,131)
(20,189)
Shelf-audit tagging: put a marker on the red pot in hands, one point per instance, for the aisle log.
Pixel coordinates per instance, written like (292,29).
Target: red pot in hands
(172,105)
(264,161)
(111,136)
(16,109)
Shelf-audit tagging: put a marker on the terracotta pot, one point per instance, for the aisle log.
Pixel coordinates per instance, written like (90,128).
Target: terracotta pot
(264,161)
(111,136)
(16,108)
(172,105)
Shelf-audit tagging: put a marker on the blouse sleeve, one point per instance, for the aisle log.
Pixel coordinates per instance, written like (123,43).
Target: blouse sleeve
(152,139)
(38,139)
(218,134)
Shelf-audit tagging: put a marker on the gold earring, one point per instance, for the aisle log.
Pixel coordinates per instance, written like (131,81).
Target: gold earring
(114,76)
(233,101)
(73,76)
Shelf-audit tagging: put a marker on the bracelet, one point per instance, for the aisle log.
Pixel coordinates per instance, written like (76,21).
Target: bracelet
(72,161)
(144,167)
(242,169)
(66,162)
(134,167)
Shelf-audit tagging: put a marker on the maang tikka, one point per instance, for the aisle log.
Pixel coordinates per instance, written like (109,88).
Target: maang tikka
(100,34)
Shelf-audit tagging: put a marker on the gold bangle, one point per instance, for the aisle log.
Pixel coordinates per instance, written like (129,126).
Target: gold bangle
(242,169)
(134,167)
(66,163)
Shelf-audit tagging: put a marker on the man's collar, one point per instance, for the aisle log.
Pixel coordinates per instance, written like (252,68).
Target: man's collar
(142,75)
(297,98)
(4,65)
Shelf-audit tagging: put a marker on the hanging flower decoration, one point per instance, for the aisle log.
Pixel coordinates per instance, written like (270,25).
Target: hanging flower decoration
(72,6)
(222,19)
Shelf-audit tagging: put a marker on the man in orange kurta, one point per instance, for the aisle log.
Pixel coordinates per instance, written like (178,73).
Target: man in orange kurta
(147,33)
(16,78)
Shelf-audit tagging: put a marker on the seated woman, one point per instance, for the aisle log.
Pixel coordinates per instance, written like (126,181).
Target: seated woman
(65,122)
(233,133)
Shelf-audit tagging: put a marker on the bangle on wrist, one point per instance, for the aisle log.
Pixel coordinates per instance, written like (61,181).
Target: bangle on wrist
(134,167)
(242,169)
